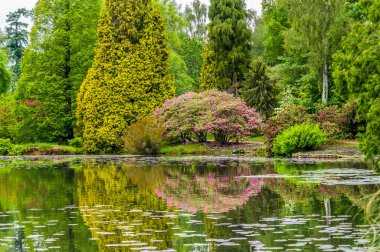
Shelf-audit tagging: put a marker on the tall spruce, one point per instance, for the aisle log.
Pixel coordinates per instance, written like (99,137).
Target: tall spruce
(17,37)
(229,45)
(56,61)
(130,75)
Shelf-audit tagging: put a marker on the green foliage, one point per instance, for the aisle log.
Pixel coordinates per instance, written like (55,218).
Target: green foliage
(17,37)
(275,19)
(208,78)
(191,54)
(298,138)
(129,77)
(182,81)
(357,74)
(5,75)
(227,54)
(258,38)
(76,142)
(18,150)
(175,24)
(5,146)
(144,137)
(60,52)
(316,29)
(7,116)
(258,90)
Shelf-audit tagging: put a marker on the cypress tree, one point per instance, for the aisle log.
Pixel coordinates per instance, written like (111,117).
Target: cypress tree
(229,42)
(129,77)
(56,61)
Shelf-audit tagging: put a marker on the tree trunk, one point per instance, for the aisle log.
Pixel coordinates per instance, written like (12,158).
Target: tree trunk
(325,85)
(325,77)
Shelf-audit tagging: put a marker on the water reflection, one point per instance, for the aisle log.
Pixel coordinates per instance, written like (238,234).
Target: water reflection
(138,204)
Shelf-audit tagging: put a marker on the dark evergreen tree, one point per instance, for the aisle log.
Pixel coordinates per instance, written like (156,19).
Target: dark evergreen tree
(259,91)
(229,45)
(17,34)
(130,75)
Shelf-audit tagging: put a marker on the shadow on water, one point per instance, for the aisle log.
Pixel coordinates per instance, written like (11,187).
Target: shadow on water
(194,204)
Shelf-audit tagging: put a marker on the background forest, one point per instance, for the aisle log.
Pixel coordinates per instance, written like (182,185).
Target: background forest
(89,69)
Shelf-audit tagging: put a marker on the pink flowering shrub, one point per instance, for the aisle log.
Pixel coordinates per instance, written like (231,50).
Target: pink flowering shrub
(210,112)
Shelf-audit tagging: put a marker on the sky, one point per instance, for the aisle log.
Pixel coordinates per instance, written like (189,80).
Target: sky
(7,6)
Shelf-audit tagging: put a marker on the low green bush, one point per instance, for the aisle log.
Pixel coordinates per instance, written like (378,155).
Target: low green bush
(18,150)
(76,142)
(297,138)
(144,137)
(5,146)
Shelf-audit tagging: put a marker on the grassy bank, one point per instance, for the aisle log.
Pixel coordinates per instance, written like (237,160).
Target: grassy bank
(42,149)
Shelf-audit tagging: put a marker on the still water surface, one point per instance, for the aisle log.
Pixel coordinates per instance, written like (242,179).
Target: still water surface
(185,204)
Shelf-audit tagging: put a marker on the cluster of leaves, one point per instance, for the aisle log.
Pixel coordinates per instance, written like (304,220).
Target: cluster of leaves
(209,112)
(297,138)
(144,137)
(7,148)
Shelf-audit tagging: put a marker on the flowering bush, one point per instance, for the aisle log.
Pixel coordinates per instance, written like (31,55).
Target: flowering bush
(209,112)
(211,191)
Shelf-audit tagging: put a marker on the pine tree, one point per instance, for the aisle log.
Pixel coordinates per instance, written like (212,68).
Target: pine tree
(60,52)
(129,77)
(229,43)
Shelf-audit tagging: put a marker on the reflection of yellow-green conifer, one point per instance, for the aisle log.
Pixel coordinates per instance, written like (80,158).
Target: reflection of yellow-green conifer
(113,203)
(129,77)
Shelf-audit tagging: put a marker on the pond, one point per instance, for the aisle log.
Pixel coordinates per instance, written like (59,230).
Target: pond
(186,204)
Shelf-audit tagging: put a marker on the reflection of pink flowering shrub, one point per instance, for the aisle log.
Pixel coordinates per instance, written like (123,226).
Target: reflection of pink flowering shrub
(213,112)
(209,192)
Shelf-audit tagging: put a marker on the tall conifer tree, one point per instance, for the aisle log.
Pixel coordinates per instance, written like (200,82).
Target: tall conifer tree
(229,43)
(129,77)
(59,54)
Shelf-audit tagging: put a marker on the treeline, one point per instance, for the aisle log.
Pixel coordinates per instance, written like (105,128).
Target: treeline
(125,59)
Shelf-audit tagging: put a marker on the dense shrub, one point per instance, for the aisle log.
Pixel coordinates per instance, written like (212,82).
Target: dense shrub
(76,142)
(209,112)
(5,146)
(335,122)
(144,137)
(18,150)
(297,138)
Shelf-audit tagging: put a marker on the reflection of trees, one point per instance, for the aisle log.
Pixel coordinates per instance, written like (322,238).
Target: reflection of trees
(30,196)
(119,205)
(355,193)
(208,189)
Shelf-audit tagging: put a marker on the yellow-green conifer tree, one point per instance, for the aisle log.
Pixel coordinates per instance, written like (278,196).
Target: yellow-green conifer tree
(129,77)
